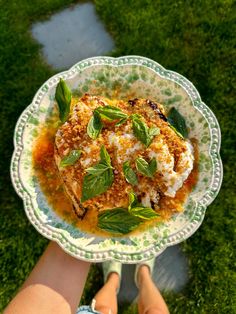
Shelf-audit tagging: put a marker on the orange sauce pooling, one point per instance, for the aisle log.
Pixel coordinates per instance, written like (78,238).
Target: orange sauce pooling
(52,186)
(47,174)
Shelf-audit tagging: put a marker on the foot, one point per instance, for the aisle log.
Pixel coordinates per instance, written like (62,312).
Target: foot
(149,265)
(110,267)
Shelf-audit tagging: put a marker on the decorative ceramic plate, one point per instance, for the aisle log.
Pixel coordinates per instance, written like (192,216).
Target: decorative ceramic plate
(124,77)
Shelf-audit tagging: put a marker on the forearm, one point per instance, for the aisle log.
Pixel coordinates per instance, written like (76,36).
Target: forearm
(54,286)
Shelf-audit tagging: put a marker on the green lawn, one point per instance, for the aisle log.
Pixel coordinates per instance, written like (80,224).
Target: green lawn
(194,38)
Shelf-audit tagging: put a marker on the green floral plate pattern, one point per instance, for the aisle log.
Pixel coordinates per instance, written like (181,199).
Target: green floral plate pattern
(124,77)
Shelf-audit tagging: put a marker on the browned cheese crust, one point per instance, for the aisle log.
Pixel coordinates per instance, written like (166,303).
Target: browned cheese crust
(73,135)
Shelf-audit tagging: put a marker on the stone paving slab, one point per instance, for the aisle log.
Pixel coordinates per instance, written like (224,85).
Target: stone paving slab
(71,35)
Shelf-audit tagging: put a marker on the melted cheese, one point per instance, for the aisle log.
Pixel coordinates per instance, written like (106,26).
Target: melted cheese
(125,144)
(165,165)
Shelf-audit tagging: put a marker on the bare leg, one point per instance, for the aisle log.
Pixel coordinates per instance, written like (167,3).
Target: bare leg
(106,297)
(150,300)
(54,286)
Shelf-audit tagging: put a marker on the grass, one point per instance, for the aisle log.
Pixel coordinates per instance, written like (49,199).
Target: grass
(194,38)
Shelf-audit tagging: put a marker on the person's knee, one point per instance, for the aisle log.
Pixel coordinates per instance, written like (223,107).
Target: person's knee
(156,310)
(104,309)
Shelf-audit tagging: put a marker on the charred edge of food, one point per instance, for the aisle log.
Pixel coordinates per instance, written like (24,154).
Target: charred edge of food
(154,106)
(78,214)
(78,207)
(85,97)
(153,204)
(133,102)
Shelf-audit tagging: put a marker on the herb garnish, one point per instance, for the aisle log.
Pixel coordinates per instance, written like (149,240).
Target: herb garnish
(142,131)
(177,123)
(142,212)
(94,126)
(111,113)
(147,169)
(105,157)
(122,220)
(133,201)
(122,121)
(98,178)
(63,98)
(138,210)
(129,173)
(118,221)
(70,159)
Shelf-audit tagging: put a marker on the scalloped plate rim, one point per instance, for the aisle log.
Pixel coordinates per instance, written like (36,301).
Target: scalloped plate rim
(109,254)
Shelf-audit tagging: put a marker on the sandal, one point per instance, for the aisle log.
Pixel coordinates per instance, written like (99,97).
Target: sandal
(111,267)
(149,263)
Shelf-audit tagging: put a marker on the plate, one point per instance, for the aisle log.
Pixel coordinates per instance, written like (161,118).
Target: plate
(124,77)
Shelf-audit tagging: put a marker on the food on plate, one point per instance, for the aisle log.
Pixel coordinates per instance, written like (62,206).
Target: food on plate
(126,161)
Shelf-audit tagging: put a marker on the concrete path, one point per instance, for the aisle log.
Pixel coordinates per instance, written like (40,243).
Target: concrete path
(72,35)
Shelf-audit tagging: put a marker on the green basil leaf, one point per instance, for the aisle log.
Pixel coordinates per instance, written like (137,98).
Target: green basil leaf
(122,121)
(178,122)
(70,159)
(63,99)
(145,168)
(143,213)
(111,113)
(154,131)
(140,130)
(98,169)
(118,221)
(173,128)
(94,185)
(153,165)
(133,201)
(129,173)
(105,157)
(136,116)
(94,126)
(99,177)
